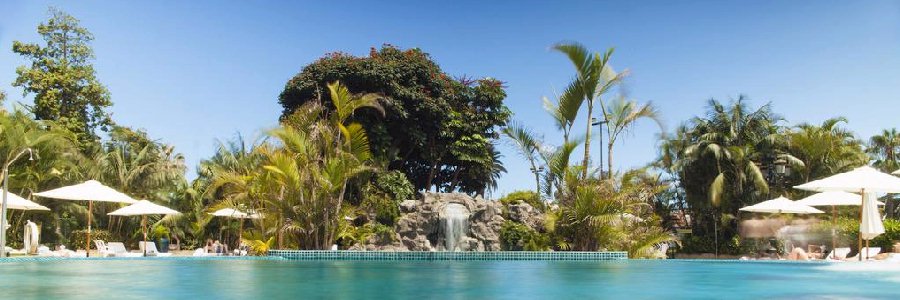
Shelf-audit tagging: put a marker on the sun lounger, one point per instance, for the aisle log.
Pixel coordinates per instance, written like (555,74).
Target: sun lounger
(102,249)
(118,250)
(151,249)
(838,254)
(872,252)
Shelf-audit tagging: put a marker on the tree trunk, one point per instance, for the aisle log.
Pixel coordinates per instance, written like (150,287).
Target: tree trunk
(587,140)
(609,158)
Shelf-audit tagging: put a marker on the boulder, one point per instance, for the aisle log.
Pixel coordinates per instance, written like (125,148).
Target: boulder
(524,213)
(419,225)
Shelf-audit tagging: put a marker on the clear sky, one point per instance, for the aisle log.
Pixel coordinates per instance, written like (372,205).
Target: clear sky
(192,72)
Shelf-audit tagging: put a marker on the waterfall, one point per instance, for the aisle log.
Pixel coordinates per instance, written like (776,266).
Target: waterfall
(455,225)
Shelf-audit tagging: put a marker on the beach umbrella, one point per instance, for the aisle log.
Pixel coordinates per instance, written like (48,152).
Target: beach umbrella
(236,214)
(14,201)
(89,191)
(144,208)
(871,225)
(836,198)
(781,205)
(861,180)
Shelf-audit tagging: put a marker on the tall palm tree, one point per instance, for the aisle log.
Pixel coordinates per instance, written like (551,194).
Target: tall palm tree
(594,78)
(317,157)
(825,149)
(885,150)
(721,154)
(621,115)
(527,145)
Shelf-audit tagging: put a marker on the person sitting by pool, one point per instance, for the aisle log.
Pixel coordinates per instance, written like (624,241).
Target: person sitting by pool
(209,246)
(220,249)
(798,254)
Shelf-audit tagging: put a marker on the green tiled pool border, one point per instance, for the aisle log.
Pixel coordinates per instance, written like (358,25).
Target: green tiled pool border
(176,258)
(447,256)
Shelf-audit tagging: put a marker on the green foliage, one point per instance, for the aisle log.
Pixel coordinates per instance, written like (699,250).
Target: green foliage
(714,157)
(76,238)
(260,247)
(62,78)
(594,78)
(824,149)
(526,196)
(395,185)
(384,233)
(884,148)
(386,209)
(159,231)
(435,129)
(518,237)
(848,232)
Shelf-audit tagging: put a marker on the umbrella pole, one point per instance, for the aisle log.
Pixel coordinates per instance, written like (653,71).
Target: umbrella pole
(144,227)
(240,233)
(833,225)
(87,246)
(859,232)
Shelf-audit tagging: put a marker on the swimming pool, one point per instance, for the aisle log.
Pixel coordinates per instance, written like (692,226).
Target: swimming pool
(287,279)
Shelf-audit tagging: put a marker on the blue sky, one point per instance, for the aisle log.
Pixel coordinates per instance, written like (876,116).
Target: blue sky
(191,72)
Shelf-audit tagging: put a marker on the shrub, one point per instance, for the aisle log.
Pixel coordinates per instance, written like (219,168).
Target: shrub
(386,210)
(76,239)
(383,233)
(848,231)
(518,237)
(526,196)
(395,185)
(159,231)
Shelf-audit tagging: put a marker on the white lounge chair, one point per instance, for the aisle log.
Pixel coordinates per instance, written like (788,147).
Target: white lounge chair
(102,249)
(838,254)
(151,249)
(118,250)
(872,252)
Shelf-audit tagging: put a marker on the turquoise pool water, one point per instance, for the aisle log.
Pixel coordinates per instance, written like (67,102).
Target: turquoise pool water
(284,279)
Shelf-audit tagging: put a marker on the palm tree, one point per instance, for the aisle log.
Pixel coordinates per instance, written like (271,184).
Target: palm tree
(621,115)
(594,78)
(825,149)
(612,214)
(884,149)
(720,155)
(527,145)
(319,154)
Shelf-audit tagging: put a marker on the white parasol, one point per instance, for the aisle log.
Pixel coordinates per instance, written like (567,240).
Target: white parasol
(89,191)
(861,180)
(143,208)
(781,205)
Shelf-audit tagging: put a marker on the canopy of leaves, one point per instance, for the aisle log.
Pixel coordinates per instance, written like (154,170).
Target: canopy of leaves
(438,130)
(62,78)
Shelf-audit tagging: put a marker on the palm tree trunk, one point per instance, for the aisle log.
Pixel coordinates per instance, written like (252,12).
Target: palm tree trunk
(609,158)
(587,139)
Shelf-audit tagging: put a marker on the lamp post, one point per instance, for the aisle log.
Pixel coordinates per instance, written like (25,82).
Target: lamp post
(5,192)
(777,170)
(595,122)
(537,179)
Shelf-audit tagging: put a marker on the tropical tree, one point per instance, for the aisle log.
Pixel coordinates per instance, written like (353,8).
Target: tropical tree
(621,115)
(62,78)
(436,129)
(612,214)
(306,177)
(885,150)
(720,155)
(825,149)
(594,78)
(528,146)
